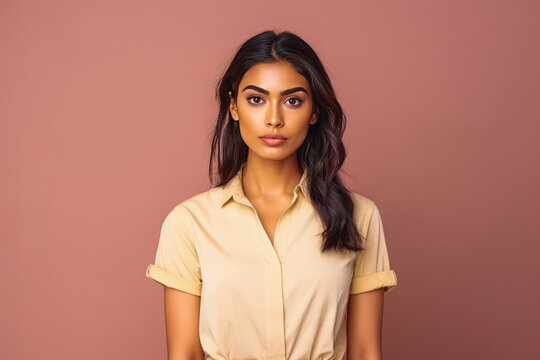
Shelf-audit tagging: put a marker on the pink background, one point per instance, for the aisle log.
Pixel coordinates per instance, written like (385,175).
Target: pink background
(106,112)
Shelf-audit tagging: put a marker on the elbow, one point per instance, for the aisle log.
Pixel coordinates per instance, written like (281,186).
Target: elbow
(374,355)
(187,357)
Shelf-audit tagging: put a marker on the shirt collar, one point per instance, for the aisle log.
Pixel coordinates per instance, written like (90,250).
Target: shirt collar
(234,187)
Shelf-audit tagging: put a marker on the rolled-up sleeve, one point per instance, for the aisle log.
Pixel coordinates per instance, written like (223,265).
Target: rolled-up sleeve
(372,265)
(176,262)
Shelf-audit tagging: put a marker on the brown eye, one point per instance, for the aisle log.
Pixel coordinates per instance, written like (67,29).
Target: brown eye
(296,103)
(254,97)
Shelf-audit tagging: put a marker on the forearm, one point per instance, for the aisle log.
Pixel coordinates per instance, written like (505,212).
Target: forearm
(366,355)
(186,357)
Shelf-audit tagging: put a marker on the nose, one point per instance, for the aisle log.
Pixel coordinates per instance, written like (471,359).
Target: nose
(273,116)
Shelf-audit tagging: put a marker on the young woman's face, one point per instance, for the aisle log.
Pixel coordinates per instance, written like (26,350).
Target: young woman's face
(273,99)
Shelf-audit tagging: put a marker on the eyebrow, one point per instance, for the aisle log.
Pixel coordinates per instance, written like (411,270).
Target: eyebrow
(284,92)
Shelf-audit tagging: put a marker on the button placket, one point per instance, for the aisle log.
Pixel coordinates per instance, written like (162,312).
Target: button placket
(275,312)
(275,249)
(282,244)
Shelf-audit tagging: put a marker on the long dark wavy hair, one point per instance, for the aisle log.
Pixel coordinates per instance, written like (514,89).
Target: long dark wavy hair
(322,152)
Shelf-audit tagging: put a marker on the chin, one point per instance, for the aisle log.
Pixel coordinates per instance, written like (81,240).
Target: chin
(275,154)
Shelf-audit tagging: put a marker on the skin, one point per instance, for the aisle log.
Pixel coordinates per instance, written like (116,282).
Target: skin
(271,173)
(182,325)
(364,325)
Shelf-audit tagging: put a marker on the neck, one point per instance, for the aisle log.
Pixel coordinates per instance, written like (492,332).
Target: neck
(271,179)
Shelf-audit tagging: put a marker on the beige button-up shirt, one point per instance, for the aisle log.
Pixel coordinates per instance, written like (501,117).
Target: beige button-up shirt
(264,301)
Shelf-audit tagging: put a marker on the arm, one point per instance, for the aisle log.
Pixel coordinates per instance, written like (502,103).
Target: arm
(364,325)
(182,325)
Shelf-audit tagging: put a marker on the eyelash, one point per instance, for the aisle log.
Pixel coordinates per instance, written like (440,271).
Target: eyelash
(291,98)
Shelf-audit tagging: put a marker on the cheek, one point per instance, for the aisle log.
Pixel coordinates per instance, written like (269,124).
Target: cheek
(249,132)
(299,120)
(298,136)
(299,125)
(250,119)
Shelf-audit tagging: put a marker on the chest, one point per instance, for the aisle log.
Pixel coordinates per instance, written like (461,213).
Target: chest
(268,291)
(244,242)
(269,214)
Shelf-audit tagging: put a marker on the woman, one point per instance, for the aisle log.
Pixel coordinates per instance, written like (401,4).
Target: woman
(278,260)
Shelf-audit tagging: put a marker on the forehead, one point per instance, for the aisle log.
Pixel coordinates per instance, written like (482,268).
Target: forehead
(274,77)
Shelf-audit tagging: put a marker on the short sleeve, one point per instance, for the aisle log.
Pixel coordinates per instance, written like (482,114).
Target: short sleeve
(372,266)
(176,262)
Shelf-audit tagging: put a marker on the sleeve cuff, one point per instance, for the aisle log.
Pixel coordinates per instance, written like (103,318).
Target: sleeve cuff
(173,281)
(386,279)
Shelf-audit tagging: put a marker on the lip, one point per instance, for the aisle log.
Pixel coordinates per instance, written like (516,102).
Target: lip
(273,136)
(273,140)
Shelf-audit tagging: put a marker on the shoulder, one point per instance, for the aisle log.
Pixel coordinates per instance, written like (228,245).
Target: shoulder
(203,203)
(364,209)
(362,203)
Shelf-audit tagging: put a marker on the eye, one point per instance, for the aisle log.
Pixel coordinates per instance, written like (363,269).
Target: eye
(297,101)
(254,97)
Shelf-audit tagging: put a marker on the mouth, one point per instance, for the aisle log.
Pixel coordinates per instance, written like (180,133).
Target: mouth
(273,136)
(273,140)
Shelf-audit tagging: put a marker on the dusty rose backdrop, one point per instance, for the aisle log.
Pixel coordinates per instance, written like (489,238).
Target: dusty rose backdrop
(106,109)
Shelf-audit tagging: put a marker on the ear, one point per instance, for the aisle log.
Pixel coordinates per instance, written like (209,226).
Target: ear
(313,118)
(232,107)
